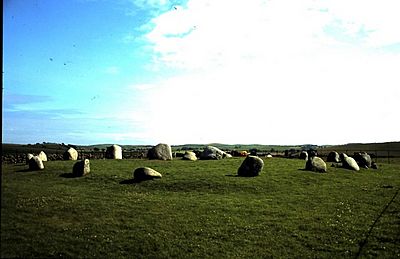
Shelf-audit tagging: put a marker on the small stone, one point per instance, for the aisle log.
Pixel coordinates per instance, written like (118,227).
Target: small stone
(145,173)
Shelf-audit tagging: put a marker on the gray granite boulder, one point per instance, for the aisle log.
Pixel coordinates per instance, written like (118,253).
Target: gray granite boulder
(36,163)
(251,166)
(349,162)
(114,152)
(71,154)
(161,152)
(145,173)
(363,159)
(81,168)
(316,164)
(189,155)
(213,153)
(333,157)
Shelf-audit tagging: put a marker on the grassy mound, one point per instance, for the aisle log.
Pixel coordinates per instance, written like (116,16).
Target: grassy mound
(199,209)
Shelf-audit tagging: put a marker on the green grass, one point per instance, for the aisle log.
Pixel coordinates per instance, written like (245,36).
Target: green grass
(199,209)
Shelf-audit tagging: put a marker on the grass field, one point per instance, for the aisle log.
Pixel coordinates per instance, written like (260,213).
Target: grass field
(200,209)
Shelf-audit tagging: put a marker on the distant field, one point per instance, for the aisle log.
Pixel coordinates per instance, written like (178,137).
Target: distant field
(200,209)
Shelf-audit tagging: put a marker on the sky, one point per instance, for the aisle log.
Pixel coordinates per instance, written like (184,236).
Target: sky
(275,72)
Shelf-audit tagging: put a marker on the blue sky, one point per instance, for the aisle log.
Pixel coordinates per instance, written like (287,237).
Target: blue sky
(144,72)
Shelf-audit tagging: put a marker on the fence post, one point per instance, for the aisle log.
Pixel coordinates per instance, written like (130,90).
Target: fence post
(388,157)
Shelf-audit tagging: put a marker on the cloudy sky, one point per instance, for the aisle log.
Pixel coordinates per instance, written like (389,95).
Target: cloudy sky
(201,71)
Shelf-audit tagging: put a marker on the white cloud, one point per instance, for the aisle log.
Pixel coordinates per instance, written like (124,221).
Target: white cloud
(278,72)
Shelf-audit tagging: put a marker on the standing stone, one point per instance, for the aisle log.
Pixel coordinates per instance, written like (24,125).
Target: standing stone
(189,155)
(214,153)
(43,156)
(161,152)
(81,168)
(145,173)
(316,164)
(28,157)
(251,166)
(363,159)
(114,152)
(349,163)
(303,155)
(71,154)
(333,157)
(36,163)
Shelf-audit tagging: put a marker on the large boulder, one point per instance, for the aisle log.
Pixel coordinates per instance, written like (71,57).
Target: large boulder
(214,153)
(189,155)
(161,152)
(145,173)
(81,168)
(114,152)
(303,155)
(316,164)
(333,157)
(36,163)
(251,166)
(349,162)
(71,154)
(42,155)
(363,159)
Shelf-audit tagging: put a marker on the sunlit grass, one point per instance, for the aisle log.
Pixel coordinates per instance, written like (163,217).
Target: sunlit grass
(199,209)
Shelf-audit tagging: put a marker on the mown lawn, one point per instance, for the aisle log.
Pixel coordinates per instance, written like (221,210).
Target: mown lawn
(200,209)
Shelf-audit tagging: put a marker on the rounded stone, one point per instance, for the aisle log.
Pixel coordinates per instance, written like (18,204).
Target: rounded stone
(189,155)
(161,152)
(333,157)
(145,173)
(71,154)
(251,166)
(213,153)
(316,164)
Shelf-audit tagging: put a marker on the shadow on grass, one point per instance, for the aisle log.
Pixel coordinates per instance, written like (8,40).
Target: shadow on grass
(232,175)
(241,176)
(134,181)
(26,170)
(69,175)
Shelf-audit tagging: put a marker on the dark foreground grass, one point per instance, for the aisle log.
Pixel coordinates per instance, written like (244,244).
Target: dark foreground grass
(199,209)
